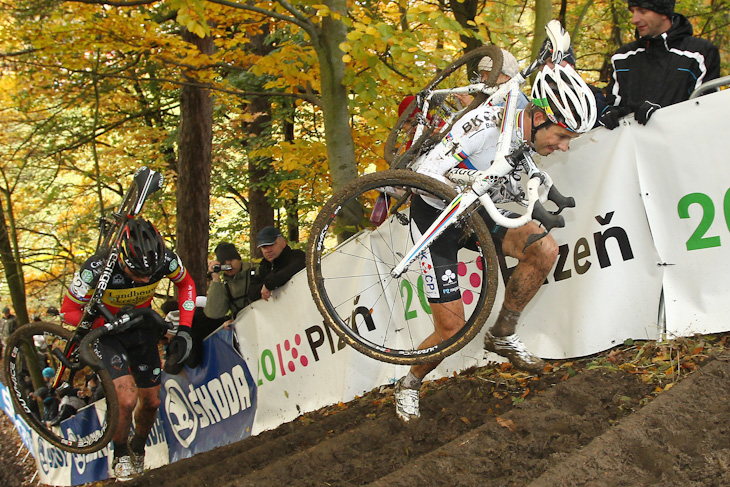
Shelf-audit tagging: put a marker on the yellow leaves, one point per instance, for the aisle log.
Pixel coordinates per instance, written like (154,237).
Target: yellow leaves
(354,35)
(191,15)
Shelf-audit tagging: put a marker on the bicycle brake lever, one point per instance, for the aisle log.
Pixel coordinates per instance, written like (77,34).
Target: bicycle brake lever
(561,201)
(548,221)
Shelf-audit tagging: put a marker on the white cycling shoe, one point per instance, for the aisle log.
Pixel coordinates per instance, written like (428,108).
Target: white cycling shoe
(512,348)
(406,402)
(123,469)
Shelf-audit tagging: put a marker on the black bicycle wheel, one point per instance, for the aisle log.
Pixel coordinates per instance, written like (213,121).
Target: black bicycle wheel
(382,316)
(400,149)
(38,345)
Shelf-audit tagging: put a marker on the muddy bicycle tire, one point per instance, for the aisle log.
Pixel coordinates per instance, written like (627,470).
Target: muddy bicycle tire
(382,316)
(397,152)
(18,364)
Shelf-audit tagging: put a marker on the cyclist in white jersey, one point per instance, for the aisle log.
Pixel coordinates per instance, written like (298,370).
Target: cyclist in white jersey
(562,107)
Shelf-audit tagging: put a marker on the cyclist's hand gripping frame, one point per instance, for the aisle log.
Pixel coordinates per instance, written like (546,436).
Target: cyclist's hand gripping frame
(117,324)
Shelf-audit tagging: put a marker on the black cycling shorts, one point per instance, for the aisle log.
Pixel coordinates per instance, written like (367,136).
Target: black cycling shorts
(439,263)
(132,352)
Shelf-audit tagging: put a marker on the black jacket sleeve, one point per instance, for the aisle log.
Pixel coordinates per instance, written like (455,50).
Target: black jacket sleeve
(278,273)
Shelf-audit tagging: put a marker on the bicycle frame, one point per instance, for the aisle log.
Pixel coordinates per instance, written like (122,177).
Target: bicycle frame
(481,181)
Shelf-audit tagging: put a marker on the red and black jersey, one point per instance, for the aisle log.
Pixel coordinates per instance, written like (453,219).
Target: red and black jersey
(122,291)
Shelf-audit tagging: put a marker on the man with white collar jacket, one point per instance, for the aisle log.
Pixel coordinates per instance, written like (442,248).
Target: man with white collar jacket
(663,66)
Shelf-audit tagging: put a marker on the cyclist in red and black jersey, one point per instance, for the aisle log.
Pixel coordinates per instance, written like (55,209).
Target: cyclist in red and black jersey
(132,357)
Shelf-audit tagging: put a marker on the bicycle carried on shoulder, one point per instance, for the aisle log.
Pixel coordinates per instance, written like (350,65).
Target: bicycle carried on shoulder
(370,288)
(71,353)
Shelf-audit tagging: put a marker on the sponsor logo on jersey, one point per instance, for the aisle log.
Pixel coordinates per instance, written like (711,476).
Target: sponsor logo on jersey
(87,276)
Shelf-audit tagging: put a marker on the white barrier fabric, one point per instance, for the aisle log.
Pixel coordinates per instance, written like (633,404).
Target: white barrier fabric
(683,164)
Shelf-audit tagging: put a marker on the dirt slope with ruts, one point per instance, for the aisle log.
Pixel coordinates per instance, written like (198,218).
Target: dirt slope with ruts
(640,415)
(635,416)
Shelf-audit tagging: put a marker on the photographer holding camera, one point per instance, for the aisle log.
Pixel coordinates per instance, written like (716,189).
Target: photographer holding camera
(229,282)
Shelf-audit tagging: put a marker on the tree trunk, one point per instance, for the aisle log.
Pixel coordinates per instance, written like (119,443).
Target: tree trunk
(465,11)
(194,165)
(543,15)
(292,204)
(260,211)
(338,135)
(12,273)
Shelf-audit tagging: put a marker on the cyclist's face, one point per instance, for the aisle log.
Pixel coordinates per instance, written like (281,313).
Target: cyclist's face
(503,78)
(649,23)
(134,276)
(552,138)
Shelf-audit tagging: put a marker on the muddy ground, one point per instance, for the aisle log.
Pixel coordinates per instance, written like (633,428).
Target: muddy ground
(642,414)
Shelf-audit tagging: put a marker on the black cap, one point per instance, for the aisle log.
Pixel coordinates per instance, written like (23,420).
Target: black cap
(268,236)
(663,7)
(226,251)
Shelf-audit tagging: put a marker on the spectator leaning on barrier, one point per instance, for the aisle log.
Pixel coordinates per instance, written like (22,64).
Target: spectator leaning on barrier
(663,66)
(280,263)
(510,69)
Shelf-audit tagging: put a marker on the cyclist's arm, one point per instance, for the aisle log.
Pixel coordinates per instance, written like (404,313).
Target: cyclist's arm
(185,291)
(71,310)
(80,291)
(471,144)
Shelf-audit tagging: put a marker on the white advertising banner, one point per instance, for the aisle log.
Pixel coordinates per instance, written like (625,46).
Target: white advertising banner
(606,285)
(683,169)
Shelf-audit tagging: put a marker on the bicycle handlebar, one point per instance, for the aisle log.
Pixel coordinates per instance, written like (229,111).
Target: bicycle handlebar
(124,322)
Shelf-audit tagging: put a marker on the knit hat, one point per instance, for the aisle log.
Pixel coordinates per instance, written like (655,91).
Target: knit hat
(663,7)
(226,251)
(509,64)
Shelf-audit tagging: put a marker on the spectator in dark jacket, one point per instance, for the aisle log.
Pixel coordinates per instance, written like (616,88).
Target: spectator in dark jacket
(280,263)
(663,66)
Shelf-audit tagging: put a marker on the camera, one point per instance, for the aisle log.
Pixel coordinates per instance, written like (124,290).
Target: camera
(222,267)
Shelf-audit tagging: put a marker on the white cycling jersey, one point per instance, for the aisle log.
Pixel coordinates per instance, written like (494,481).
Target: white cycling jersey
(472,144)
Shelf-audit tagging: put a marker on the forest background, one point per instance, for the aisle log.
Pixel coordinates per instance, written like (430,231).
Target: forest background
(253,111)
